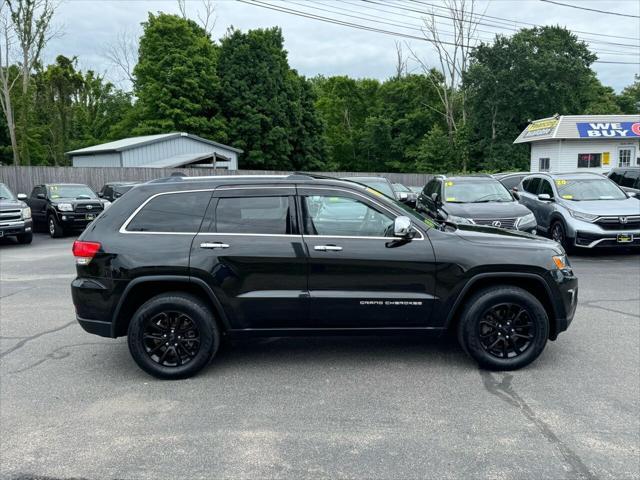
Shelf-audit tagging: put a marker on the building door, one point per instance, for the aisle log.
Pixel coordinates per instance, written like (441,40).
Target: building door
(626,156)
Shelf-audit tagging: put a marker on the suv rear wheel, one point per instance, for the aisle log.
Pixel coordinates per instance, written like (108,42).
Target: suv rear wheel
(173,335)
(559,234)
(503,328)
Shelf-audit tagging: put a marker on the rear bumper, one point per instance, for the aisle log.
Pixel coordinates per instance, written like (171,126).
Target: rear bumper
(97,327)
(17,227)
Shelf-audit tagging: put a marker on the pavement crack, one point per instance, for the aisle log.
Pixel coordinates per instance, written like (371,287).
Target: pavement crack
(505,391)
(606,309)
(26,340)
(57,354)
(15,293)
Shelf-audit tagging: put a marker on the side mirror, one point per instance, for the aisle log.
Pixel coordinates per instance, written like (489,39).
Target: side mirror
(41,196)
(436,198)
(116,194)
(514,193)
(631,194)
(402,227)
(22,196)
(402,196)
(100,194)
(544,197)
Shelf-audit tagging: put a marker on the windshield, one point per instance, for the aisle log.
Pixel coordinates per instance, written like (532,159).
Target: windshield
(70,191)
(380,185)
(401,188)
(5,193)
(475,191)
(589,189)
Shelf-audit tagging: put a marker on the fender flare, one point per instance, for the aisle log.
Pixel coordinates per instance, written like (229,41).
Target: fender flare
(480,276)
(169,278)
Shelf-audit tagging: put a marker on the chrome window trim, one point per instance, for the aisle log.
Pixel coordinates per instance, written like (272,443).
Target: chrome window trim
(123,228)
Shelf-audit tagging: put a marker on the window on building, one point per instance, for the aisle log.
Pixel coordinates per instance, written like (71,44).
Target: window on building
(172,212)
(589,160)
(253,215)
(544,164)
(624,157)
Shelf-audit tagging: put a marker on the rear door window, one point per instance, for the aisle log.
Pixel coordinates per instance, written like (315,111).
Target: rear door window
(253,215)
(179,212)
(531,185)
(630,179)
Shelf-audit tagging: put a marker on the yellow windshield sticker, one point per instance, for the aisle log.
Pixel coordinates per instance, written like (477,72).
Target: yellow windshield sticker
(451,199)
(561,182)
(449,183)
(334,199)
(568,197)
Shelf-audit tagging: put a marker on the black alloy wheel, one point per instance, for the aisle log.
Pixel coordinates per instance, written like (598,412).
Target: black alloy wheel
(173,335)
(503,327)
(171,339)
(506,330)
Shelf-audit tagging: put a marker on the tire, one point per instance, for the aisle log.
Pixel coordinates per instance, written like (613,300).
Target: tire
(25,238)
(54,228)
(484,342)
(158,317)
(559,233)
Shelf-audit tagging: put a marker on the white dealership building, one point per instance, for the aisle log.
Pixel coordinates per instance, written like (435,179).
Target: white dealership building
(574,143)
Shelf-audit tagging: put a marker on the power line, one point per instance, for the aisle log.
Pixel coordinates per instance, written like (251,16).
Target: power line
(591,9)
(510,22)
(493,33)
(359,26)
(465,20)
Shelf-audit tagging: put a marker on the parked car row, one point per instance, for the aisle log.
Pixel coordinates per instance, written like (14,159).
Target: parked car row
(58,208)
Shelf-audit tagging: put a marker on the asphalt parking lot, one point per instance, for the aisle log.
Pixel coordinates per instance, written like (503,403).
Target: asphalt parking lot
(73,405)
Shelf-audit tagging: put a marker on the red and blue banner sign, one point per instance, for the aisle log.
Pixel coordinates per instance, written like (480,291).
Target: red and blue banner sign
(609,129)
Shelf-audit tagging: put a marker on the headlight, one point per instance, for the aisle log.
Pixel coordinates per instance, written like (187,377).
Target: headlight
(65,207)
(26,213)
(527,219)
(585,217)
(455,219)
(561,261)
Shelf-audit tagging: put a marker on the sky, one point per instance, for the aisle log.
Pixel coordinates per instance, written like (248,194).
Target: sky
(88,27)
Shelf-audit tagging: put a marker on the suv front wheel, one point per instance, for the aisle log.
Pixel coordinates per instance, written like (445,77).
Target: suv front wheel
(503,328)
(173,335)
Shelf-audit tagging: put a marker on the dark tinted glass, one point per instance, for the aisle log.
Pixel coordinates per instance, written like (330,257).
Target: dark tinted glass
(268,215)
(173,212)
(531,185)
(545,187)
(630,178)
(511,182)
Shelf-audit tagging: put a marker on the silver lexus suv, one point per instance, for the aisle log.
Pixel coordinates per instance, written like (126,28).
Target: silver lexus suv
(582,209)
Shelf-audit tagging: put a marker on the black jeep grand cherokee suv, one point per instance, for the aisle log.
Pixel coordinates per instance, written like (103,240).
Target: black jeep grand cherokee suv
(177,264)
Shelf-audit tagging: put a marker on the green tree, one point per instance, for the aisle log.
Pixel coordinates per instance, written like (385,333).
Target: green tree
(533,74)
(175,79)
(629,99)
(267,106)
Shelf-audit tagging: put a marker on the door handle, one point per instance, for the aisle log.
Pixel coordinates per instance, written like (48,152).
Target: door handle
(327,248)
(214,245)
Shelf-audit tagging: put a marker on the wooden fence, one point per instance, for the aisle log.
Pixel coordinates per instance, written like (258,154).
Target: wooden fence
(23,179)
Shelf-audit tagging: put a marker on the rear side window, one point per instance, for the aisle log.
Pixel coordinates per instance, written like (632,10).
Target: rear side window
(257,215)
(172,212)
(616,176)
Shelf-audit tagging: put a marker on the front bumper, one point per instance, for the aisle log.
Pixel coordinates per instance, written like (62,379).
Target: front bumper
(16,227)
(73,220)
(607,238)
(565,299)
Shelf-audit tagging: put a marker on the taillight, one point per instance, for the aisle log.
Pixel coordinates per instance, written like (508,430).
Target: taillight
(85,251)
